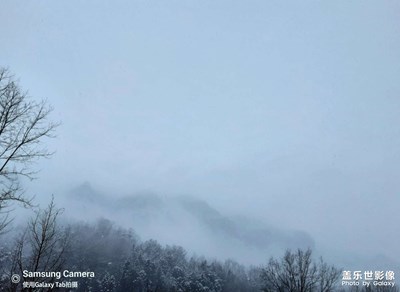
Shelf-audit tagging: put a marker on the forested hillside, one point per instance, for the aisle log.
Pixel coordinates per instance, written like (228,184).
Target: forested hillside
(116,260)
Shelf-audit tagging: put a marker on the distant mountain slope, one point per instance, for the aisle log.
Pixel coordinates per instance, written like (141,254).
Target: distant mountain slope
(189,222)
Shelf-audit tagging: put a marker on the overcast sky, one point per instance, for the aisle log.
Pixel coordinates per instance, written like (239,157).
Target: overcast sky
(285,110)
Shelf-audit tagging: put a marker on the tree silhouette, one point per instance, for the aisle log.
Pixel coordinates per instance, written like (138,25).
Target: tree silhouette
(296,272)
(23,125)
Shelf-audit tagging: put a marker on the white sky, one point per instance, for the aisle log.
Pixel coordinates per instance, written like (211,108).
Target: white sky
(286,110)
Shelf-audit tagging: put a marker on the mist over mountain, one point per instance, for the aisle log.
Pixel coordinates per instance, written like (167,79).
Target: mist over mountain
(189,222)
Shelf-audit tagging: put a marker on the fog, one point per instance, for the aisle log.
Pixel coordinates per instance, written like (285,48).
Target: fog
(282,112)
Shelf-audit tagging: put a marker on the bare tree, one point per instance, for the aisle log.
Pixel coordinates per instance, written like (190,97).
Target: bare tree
(296,272)
(23,125)
(42,247)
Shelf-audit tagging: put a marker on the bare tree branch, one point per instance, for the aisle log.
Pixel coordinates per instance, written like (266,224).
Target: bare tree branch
(23,125)
(43,245)
(296,272)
